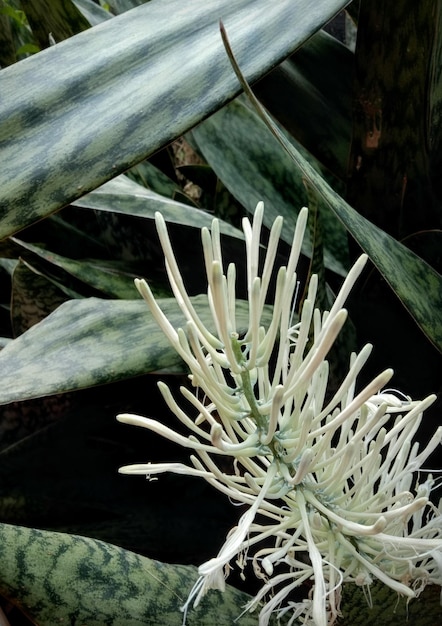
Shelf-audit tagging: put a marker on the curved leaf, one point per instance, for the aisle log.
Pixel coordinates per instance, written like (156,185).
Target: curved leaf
(91,342)
(122,195)
(416,283)
(236,144)
(87,109)
(57,578)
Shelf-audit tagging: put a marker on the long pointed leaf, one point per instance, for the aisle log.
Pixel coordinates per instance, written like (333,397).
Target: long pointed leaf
(59,578)
(83,111)
(123,195)
(236,144)
(91,342)
(417,284)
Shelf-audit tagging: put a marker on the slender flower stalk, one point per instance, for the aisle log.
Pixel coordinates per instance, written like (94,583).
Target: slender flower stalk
(334,484)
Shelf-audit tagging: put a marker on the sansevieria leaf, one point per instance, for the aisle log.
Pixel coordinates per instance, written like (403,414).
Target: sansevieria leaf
(58,578)
(91,342)
(122,195)
(84,110)
(416,283)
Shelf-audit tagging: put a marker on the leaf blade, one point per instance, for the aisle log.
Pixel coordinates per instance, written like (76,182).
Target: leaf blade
(87,581)
(417,284)
(73,117)
(91,342)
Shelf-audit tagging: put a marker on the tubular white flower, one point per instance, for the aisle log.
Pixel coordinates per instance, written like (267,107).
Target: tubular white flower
(333,482)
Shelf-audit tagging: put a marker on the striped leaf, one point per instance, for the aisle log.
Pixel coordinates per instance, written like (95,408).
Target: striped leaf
(416,283)
(122,195)
(91,342)
(57,578)
(79,113)
(252,165)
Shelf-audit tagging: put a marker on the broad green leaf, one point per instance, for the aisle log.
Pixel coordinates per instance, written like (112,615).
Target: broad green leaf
(236,144)
(91,342)
(125,196)
(79,113)
(416,283)
(57,578)
(112,278)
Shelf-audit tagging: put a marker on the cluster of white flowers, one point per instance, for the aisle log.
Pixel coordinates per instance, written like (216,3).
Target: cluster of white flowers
(332,485)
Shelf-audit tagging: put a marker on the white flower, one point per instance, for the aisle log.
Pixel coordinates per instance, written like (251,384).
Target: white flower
(331,484)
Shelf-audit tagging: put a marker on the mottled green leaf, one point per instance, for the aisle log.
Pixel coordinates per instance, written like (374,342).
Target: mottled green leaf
(125,196)
(378,605)
(57,578)
(90,342)
(416,283)
(112,278)
(236,144)
(81,112)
